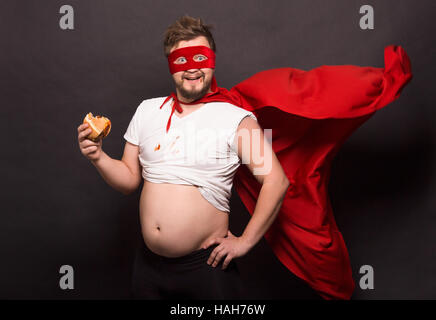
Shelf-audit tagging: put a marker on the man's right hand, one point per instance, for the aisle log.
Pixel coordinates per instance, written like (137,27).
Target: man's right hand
(90,149)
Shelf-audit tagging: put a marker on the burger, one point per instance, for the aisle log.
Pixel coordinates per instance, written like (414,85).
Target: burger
(100,126)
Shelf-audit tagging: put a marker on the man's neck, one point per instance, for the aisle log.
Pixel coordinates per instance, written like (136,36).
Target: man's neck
(182,100)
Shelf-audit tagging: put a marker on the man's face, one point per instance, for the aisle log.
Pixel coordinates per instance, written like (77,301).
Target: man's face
(192,84)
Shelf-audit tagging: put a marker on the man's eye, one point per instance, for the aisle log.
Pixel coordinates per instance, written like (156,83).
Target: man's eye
(200,58)
(180,60)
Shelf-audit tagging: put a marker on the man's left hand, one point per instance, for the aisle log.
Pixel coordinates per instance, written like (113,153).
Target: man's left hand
(229,247)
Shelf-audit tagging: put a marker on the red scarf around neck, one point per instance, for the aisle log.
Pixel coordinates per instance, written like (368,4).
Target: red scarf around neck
(311,114)
(217,94)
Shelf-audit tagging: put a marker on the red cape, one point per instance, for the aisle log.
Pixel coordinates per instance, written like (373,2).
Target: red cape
(311,114)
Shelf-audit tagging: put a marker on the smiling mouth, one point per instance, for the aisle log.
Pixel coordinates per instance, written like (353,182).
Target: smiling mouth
(193,78)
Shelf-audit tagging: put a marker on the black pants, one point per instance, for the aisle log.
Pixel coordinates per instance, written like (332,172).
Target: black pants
(186,277)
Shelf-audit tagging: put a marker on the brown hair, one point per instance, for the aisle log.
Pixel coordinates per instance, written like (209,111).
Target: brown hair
(184,29)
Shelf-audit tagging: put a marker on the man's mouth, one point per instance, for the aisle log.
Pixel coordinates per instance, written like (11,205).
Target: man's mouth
(193,80)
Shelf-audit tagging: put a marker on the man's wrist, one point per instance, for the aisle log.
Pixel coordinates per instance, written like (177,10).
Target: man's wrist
(95,162)
(248,242)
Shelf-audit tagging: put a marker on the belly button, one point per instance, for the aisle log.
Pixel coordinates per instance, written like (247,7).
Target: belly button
(158,228)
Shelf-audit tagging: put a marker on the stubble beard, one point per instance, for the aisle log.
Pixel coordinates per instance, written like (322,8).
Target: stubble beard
(194,94)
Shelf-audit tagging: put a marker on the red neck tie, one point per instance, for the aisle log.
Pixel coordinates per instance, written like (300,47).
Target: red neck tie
(176,104)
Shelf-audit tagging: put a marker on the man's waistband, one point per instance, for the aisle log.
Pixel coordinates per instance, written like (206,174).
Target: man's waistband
(197,256)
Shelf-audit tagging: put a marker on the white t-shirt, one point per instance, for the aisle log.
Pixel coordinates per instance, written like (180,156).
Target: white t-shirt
(197,150)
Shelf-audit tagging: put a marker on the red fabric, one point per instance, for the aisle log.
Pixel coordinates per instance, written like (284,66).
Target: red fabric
(311,114)
(175,106)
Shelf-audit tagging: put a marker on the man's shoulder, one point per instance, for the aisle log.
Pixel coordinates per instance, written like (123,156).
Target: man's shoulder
(151,104)
(229,110)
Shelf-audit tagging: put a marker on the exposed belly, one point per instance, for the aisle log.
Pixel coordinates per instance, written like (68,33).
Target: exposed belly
(176,219)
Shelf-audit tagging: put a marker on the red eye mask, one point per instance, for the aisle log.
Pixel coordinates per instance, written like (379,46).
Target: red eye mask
(189,63)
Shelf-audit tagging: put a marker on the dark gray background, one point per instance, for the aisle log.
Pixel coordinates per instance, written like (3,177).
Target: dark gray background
(57,210)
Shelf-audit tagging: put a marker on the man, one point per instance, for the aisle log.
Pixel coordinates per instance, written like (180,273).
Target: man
(311,114)
(184,210)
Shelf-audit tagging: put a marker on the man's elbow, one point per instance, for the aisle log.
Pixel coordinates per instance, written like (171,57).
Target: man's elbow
(132,188)
(127,192)
(286,181)
(285,184)
(281,182)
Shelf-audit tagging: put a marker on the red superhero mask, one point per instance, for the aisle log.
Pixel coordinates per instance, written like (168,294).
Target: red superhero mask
(195,57)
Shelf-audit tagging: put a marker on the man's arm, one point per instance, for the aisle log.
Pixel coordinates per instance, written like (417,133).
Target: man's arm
(268,172)
(257,154)
(123,175)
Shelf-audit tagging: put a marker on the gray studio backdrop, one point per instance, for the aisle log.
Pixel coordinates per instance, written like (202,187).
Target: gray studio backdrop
(56,209)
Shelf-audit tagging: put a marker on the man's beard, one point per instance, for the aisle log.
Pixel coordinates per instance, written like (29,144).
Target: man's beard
(193,94)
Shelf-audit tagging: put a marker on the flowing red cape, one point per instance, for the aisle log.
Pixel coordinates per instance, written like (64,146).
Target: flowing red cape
(311,114)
